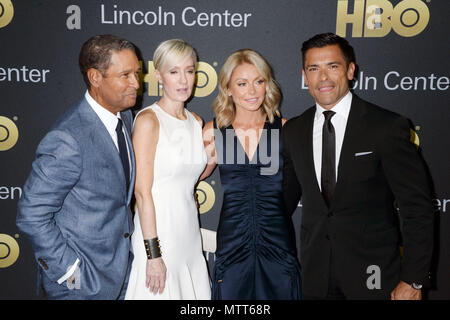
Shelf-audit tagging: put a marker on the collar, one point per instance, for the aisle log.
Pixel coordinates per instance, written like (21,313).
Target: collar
(108,119)
(342,108)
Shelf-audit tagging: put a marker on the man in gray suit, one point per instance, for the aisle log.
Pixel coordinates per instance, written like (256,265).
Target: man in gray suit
(75,203)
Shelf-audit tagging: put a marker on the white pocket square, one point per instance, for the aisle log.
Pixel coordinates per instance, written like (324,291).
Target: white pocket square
(358,154)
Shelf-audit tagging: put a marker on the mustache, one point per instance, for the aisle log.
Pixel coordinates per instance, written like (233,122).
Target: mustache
(326,84)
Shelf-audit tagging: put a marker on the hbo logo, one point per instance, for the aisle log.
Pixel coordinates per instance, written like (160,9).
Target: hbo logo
(408,18)
(9,134)
(205,196)
(205,82)
(9,251)
(6,12)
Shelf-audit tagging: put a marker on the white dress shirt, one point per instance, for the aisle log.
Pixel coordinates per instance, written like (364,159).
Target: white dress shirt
(339,121)
(110,121)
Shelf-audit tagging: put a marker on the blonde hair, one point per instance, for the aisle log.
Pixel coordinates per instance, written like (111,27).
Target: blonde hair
(223,104)
(171,51)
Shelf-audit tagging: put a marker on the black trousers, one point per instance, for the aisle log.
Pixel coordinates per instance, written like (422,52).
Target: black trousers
(334,292)
(334,288)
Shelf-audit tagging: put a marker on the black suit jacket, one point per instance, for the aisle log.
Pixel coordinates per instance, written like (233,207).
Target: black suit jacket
(361,227)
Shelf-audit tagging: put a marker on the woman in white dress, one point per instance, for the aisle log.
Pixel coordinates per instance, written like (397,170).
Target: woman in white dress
(170,157)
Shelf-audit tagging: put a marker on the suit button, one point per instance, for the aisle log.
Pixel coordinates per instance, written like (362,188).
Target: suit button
(126,235)
(327,237)
(43,264)
(330,214)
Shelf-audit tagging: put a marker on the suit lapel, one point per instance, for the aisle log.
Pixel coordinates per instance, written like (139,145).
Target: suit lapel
(354,131)
(309,148)
(101,135)
(309,156)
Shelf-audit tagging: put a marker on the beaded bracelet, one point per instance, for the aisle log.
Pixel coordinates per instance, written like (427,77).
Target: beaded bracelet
(152,248)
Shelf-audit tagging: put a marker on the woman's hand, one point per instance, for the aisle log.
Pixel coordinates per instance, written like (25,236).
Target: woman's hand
(156,275)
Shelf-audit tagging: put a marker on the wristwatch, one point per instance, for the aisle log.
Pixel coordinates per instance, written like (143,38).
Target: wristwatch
(416,285)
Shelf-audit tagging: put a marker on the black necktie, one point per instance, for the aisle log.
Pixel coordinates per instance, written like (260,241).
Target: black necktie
(123,151)
(328,174)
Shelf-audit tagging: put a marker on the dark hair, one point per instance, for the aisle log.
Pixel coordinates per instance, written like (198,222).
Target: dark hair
(329,39)
(96,53)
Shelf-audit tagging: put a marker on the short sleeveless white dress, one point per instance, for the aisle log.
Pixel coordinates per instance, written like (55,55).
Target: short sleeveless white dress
(179,160)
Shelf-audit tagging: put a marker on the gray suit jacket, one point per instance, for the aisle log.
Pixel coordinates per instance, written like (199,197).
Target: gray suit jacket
(75,206)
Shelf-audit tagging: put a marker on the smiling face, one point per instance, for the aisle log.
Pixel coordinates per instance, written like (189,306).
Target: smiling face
(326,73)
(178,79)
(117,89)
(247,87)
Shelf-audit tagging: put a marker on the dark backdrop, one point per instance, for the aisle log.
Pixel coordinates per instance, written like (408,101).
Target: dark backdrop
(402,51)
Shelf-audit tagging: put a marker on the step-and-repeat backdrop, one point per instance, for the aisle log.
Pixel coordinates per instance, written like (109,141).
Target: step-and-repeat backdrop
(402,50)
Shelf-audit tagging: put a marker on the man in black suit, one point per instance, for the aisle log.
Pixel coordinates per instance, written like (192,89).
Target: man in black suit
(350,161)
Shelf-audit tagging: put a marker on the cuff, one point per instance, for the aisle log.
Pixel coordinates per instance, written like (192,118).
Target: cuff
(69,272)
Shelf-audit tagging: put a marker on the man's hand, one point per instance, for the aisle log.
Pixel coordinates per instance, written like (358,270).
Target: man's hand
(404,291)
(71,280)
